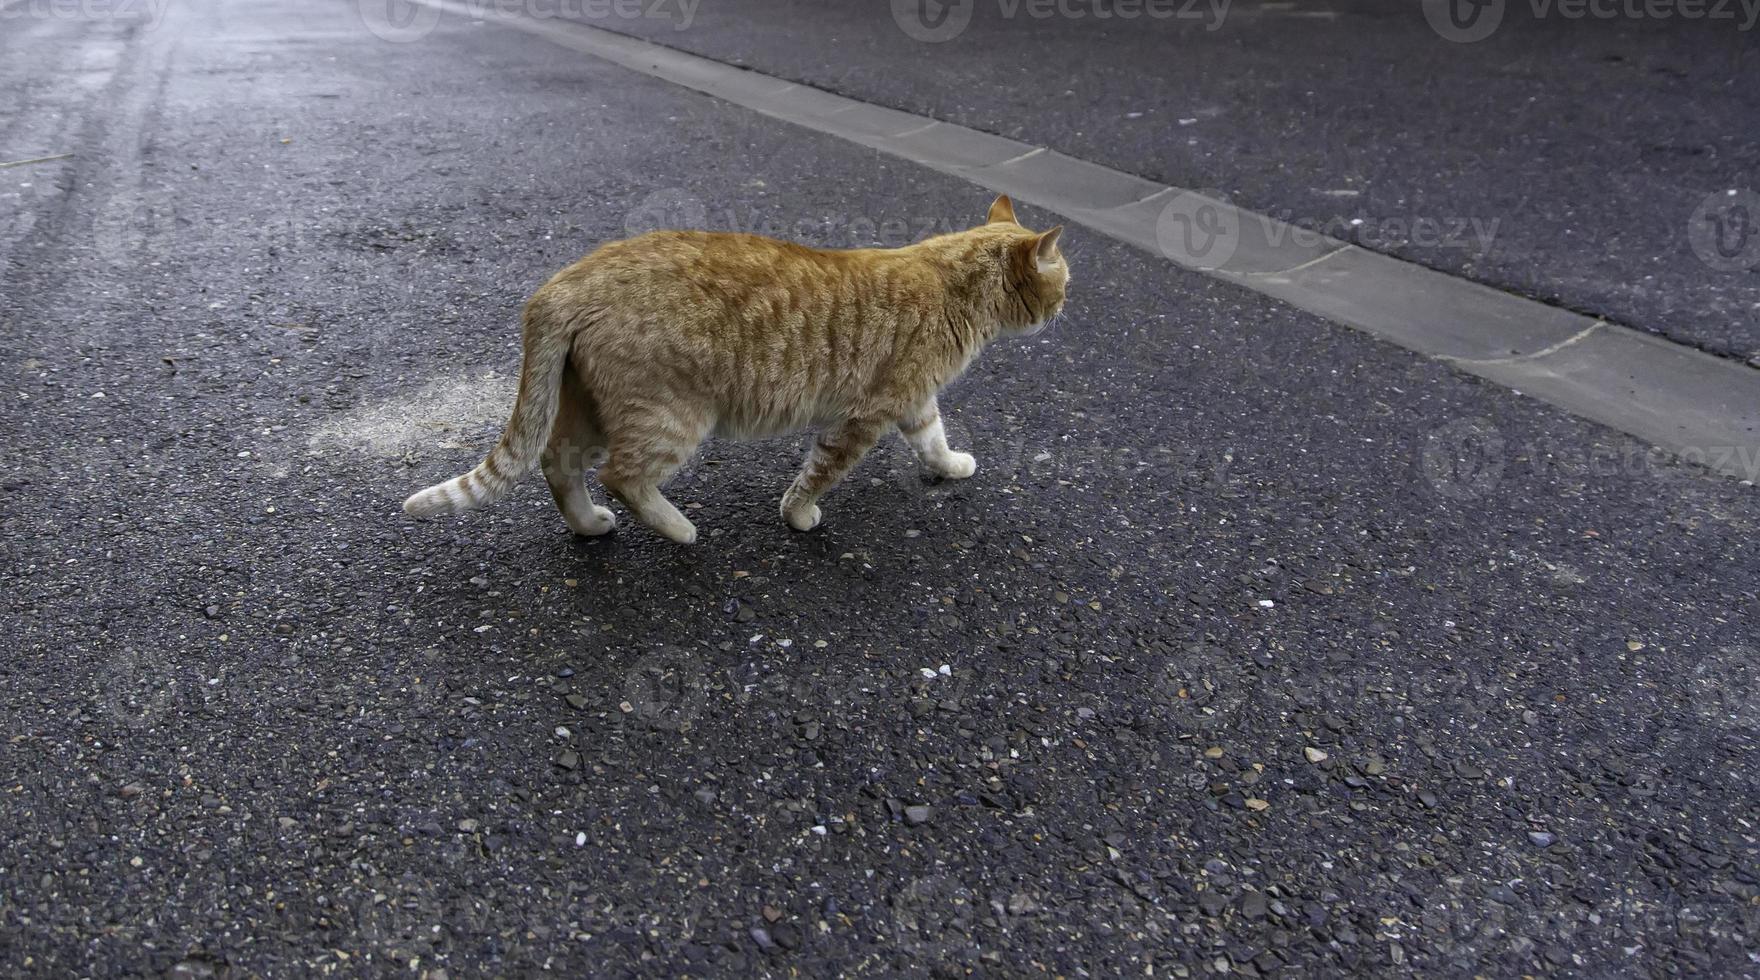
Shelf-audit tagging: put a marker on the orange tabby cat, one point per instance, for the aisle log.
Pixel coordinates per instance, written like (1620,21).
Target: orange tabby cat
(648,345)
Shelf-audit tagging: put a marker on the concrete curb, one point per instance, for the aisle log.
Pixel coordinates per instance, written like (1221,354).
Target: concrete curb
(1702,408)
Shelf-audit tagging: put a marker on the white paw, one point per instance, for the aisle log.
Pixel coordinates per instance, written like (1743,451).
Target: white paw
(681,531)
(956,466)
(802,518)
(598,520)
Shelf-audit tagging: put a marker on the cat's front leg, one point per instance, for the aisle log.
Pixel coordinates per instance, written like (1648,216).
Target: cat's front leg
(834,453)
(924,431)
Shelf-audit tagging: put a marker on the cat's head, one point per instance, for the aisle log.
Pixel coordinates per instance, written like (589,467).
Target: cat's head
(1035,274)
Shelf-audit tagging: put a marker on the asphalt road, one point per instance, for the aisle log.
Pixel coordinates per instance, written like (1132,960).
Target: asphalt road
(1268,648)
(1565,156)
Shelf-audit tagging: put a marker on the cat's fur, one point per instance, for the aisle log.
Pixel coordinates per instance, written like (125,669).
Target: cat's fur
(646,346)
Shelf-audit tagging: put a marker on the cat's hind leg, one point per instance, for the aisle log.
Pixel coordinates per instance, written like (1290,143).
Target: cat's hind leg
(646,449)
(835,451)
(576,444)
(924,431)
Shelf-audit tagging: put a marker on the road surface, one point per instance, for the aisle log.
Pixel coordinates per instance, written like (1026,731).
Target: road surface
(1254,646)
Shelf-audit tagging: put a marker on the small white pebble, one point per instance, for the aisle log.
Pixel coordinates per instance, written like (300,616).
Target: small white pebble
(1266,604)
(946,671)
(580,839)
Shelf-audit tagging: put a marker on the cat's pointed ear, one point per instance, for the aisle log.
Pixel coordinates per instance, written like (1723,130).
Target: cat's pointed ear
(1001,209)
(1045,249)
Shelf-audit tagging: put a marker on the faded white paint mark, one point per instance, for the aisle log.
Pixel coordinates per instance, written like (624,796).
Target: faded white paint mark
(451,413)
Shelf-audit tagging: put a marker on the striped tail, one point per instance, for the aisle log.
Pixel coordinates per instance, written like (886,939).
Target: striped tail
(534,412)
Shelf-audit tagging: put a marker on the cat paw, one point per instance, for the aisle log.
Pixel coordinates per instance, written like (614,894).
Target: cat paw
(681,531)
(597,521)
(956,466)
(802,518)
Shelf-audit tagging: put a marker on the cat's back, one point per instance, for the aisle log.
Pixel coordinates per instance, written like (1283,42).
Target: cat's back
(707,258)
(722,268)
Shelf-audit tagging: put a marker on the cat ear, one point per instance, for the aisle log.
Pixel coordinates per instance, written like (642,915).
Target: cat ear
(1046,249)
(1002,209)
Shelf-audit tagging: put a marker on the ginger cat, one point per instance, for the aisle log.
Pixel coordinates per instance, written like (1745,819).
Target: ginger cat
(648,345)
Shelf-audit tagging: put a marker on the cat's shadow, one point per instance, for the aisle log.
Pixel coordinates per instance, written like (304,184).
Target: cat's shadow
(887,519)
